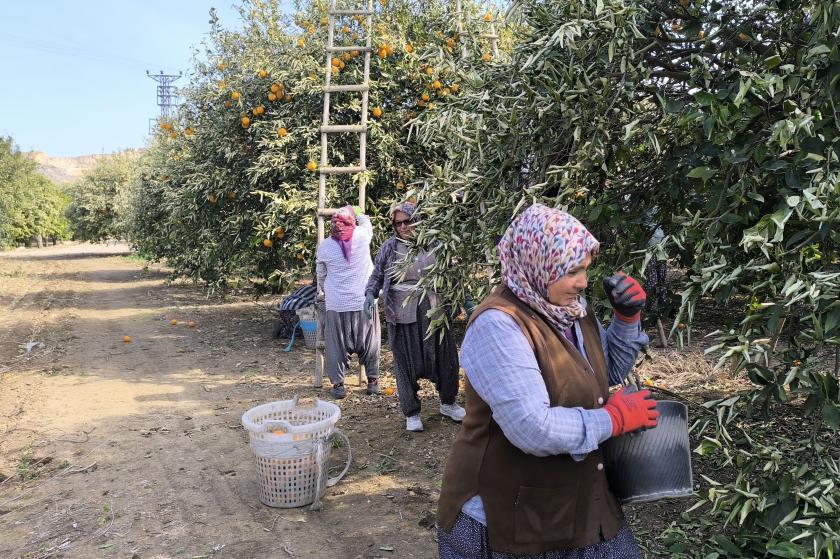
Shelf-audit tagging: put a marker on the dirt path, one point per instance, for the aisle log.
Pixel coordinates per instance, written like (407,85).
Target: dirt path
(113,449)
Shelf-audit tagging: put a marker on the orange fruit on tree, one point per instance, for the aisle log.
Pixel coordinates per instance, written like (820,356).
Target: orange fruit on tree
(173,135)
(436,84)
(425,97)
(354,53)
(212,199)
(681,326)
(279,232)
(228,104)
(450,42)
(282,132)
(262,73)
(272,97)
(324,21)
(400,185)
(222,84)
(245,121)
(267,243)
(341,65)
(312,166)
(389,390)
(301,42)
(275,87)
(488,17)
(389,50)
(345,29)
(127,339)
(173,322)
(455,87)
(486,57)
(409,48)
(445,91)
(336,62)
(429,70)
(221,67)
(382,52)
(235,96)
(191,324)
(346,57)
(300,256)
(376,112)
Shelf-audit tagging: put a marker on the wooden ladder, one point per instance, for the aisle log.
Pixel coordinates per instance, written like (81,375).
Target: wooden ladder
(325,169)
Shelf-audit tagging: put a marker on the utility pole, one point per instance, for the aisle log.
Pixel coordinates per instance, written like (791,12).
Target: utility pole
(167,96)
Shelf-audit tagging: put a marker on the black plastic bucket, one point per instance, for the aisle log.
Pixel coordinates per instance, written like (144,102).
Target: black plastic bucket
(653,464)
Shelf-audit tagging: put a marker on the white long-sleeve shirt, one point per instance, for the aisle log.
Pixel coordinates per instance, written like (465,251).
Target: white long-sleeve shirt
(344,281)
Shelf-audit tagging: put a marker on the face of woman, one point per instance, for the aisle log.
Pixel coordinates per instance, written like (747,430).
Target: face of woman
(565,291)
(402,224)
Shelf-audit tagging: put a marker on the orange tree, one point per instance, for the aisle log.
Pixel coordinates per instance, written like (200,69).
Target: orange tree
(227,190)
(716,122)
(100,205)
(30,204)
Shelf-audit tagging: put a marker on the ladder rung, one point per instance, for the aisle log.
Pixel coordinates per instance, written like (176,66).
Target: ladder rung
(489,36)
(336,128)
(351,13)
(348,49)
(339,88)
(327,212)
(341,170)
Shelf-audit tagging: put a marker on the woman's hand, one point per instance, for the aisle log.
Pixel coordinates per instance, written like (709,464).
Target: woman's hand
(369,303)
(631,411)
(626,296)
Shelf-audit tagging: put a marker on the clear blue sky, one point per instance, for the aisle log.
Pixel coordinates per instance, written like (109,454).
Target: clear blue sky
(74,72)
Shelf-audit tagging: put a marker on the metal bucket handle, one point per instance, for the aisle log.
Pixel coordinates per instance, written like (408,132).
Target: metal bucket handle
(319,460)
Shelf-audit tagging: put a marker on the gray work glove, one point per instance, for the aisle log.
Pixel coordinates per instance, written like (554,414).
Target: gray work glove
(369,303)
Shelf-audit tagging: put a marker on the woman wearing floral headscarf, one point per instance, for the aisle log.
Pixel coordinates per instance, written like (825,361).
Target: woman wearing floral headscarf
(416,355)
(343,267)
(525,476)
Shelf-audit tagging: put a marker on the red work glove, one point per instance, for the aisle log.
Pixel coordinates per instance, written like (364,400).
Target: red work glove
(631,411)
(626,296)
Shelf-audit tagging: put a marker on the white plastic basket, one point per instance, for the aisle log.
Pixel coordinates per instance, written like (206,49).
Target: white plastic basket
(291,446)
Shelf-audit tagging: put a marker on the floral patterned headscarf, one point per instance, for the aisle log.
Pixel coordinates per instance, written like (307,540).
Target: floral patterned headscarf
(539,247)
(408,208)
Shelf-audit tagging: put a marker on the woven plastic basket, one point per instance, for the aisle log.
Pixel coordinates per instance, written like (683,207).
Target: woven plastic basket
(291,446)
(308,327)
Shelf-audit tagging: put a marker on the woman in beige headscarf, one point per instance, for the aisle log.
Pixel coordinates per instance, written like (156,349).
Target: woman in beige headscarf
(416,355)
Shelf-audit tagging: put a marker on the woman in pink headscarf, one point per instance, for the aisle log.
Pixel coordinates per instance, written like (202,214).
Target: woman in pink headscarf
(525,477)
(343,268)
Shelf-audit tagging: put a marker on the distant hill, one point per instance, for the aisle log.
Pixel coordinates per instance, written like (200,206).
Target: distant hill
(64,170)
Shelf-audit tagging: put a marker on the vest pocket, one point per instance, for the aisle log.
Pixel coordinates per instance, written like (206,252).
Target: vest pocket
(545,514)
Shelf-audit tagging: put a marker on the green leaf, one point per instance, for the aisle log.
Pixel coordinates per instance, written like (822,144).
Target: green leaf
(787,549)
(772,61)
(726,545)
(831,415)
(704,173)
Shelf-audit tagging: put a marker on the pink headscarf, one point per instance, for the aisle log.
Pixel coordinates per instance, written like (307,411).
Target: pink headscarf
(539,247)
(342,227)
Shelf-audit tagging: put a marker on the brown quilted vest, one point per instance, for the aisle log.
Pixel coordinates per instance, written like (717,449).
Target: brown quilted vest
(534,504)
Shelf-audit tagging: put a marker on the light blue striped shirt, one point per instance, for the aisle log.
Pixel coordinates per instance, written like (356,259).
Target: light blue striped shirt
(503,370)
